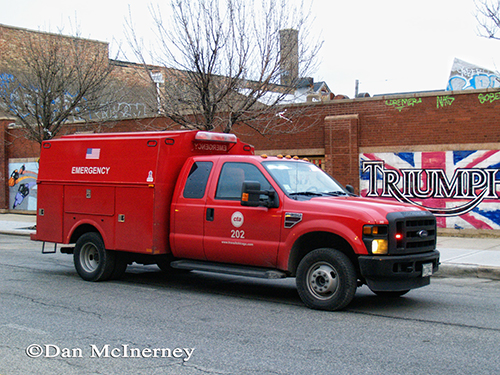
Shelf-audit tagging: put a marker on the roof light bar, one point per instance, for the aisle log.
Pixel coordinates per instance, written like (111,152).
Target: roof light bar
(216,137)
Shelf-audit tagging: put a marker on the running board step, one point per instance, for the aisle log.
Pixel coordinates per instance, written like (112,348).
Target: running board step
(262,273)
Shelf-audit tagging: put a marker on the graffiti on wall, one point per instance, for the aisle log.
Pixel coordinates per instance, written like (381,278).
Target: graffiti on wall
(466,76)
(22,185)
(121,111)
(22,104)
(444,101)
(399,104)
(462,188)
(489,97)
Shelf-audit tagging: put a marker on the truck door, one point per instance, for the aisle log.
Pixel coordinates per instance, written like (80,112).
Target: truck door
(189,213)
(238,234)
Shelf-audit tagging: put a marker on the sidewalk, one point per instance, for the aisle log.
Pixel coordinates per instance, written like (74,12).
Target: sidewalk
(469,257)
(17,224)
(460,256)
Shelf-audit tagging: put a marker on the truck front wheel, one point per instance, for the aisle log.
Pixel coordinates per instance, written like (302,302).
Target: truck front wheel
(326,279)
(92,261)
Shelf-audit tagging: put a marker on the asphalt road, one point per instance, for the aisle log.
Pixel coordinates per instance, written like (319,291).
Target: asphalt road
(52,322)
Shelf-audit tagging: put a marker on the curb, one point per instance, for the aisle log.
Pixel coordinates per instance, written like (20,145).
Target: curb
(17,232)
(468,270)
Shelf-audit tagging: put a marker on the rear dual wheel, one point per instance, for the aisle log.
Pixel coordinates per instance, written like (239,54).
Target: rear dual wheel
(93,262)
(326,279)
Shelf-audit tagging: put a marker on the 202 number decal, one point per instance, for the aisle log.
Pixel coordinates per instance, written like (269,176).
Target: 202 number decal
(237,233)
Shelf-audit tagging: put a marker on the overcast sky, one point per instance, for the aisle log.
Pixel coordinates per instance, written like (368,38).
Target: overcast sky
(390,46)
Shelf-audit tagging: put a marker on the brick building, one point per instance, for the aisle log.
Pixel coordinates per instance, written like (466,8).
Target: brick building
(440,150)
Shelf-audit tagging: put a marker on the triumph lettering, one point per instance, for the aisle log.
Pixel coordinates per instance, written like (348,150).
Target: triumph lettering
(405,185)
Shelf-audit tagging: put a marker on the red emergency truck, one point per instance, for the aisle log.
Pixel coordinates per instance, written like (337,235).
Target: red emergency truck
(198,200)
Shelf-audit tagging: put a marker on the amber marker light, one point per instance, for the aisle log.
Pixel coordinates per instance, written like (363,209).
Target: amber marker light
(370,230)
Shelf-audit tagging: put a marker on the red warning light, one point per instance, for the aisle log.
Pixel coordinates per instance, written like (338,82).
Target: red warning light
(399,236)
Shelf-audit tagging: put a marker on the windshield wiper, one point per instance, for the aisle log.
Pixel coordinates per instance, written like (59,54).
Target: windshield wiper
(336,193)
(307,193)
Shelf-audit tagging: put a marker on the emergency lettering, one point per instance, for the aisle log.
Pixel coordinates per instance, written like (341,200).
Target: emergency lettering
(90,170)
(210,147)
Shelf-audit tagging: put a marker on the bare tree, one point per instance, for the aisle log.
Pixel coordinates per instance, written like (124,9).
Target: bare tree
(222,62)
(488,18)
(55,79)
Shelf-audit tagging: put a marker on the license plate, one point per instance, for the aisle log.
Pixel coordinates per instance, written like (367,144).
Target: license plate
(426,269)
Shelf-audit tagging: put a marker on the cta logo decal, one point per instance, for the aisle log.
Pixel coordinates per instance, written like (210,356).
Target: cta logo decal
(237,219)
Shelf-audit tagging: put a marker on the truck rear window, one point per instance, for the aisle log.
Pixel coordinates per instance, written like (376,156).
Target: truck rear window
(196,182)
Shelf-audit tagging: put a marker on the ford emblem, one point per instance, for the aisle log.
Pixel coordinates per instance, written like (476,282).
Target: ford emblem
(422,233)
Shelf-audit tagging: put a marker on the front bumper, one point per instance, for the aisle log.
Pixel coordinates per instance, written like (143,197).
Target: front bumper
(397,272)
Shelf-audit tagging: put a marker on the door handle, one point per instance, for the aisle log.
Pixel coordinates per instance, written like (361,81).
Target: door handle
(210,214)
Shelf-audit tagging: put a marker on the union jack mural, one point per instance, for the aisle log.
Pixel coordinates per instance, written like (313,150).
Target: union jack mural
(462,188)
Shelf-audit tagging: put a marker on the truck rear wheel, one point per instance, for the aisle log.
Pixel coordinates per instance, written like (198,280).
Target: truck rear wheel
(120,266)
(326,279)
(92,261)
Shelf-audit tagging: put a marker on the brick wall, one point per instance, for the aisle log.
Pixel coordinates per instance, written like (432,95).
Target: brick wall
(398,123)
(341,148)
(3,164)
(341,131)
(439,121)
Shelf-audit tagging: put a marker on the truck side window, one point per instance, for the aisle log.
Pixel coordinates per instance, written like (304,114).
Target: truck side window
(232,177)
(196,182)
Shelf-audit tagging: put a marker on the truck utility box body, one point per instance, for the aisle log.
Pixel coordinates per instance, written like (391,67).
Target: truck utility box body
(198,200)
(121,184)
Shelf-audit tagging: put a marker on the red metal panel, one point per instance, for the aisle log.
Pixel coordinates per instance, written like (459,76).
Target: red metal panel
(89,199)
(50,213)
(134,219)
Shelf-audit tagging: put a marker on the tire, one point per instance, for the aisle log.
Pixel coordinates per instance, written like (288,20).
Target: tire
(390,294)
(326,280)
(92,261)
(120,267)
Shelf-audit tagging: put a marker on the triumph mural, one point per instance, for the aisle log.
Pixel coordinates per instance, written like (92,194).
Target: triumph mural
(462,188)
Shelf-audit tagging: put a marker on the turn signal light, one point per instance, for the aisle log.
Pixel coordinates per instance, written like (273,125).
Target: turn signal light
(374,230)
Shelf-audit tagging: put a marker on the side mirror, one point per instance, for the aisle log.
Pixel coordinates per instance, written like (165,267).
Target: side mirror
(350,189)
(251,196)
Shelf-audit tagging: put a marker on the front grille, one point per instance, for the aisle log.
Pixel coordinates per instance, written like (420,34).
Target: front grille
(411,232)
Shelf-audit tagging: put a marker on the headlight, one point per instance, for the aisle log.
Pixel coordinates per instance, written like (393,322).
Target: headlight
(380,247)
(375,239)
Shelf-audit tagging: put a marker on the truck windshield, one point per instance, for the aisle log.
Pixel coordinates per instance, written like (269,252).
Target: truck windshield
(298,178)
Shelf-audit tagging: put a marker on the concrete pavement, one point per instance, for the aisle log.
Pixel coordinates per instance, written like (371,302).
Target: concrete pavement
(460,256)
